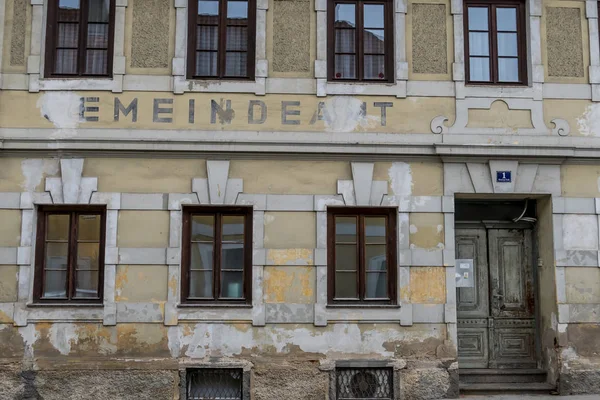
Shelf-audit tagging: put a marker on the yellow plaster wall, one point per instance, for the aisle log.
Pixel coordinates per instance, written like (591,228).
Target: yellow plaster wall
(141,283)
(10,228)
(290,177)
(580,114)
(8,283)
(289,284)
(143,229)
(426,178)
(499,116)
(144,175)
(426,230)
(287,230)
(428,285)
(580,180)
(583,285)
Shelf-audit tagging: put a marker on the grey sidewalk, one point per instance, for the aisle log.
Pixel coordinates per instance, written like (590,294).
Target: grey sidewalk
(532,397)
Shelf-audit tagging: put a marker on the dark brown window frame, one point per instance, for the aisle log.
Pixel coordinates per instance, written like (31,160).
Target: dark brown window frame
(221,45)
(388,28)
(52,38)
(40,259)
(391,214)
(187,212)
(493,40)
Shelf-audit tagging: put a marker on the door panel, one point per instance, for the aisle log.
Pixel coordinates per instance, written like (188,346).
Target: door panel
(496,318)
(512,303)
(472,303)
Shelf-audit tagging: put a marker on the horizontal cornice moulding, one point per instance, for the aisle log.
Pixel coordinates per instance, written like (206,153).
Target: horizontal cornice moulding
(252,144)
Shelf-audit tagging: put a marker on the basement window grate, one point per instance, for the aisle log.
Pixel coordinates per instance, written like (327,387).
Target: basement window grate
(364,383)
(214,384)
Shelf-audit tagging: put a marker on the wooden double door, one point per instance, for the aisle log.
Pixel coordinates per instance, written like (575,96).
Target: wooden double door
(496,316)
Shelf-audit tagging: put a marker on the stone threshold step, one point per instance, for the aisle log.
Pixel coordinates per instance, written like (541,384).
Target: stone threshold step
(506,387)
(503,371)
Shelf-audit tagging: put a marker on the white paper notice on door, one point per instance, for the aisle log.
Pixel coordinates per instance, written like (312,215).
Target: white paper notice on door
(464,273)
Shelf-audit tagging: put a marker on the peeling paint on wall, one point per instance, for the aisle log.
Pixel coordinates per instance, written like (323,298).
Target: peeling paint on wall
(400,179)
(63,109)
(589,122)
(34,170)
(345,114)
(62,336)
(29,335)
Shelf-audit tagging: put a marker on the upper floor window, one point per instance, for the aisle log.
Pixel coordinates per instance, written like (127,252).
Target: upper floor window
(221,39)
(69,259)
(495,42)
(79,38)
(216,255)
(360,36)
(361,255)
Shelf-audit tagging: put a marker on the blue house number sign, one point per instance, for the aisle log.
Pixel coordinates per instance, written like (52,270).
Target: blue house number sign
(503,176)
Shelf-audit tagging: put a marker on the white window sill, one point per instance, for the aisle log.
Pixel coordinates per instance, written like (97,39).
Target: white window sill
(397,89)
(113,84)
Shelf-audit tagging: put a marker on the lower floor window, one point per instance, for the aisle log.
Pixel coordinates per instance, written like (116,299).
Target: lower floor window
(213,384)
(364,383)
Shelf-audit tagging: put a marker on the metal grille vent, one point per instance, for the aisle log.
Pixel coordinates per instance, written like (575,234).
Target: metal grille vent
(214,384)
(364,383)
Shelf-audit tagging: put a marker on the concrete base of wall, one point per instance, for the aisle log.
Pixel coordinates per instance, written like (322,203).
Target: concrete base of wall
(579,382)
(269,381)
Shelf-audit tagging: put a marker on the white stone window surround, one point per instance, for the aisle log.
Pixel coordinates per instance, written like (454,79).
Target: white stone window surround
(70,188)
(398,88)
(180,82)
(534,58)
(35,61)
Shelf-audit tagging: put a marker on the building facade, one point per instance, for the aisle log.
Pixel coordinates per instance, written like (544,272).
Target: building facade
(298,199)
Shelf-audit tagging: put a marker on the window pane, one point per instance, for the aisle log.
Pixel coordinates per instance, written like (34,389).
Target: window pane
(345,41)
(375,230)
(479,69)
(201,256)
(345,67)
(233,228)
(96,62)
(88,227)
(207,37)
(478,18)
(373,17)
(98,10)
(345,257)
(237,38)
(237,10)
(375,257)
(374,40)
(508,70)
(208,8)
(97,36)
(232,284)
(66,62)
(68,35)
(55,284)
(236,64)
(68,10)
(86,284)
(479,44)
(345,229)
(376,285)
(232,256)
(57,227)
(206,63)
(507,44)
(203,228)
(374,67)
(345,285)
(506,19)
(345,16)
(88,256)
(201,284)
